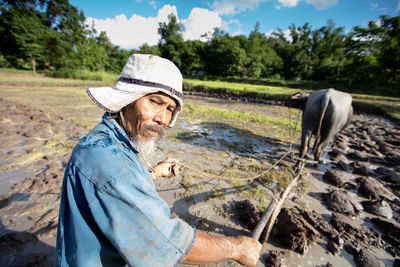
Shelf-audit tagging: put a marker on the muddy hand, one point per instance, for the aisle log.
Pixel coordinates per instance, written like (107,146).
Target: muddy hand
(167,168)
(249,250)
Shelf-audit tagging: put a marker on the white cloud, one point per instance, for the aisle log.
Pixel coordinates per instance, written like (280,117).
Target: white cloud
(153,4)
(225,7)
(277,7)
(289,3)
(398,5)
(226,24)
(236,33)
(322,4)
(135,31)
(373,5)
(201,21)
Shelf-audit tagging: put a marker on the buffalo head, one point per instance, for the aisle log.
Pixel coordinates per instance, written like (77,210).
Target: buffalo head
(297,100)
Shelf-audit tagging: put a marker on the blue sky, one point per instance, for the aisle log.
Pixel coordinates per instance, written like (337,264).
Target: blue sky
(131,23)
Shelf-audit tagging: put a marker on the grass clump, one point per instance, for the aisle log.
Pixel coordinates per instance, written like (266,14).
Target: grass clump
(217,192)
(188,181)
(282,177)
(83,74)
(239,89)
(259,195)
(29,158)
(209,112)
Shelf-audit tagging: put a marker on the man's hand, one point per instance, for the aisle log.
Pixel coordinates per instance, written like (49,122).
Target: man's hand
(208,249)
(167,168)
(248,250)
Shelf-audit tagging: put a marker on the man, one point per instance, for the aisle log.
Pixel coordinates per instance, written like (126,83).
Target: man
(110,212)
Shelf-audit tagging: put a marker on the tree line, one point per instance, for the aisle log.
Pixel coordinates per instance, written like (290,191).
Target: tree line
(51,35)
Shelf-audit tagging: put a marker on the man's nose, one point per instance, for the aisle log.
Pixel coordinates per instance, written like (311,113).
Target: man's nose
(161,117)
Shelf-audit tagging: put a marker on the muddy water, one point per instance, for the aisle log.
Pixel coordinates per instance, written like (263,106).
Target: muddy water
(232,149)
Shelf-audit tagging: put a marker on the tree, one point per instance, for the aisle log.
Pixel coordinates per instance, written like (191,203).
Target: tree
(389,55)
(295,53)
(146,49)
(24,33)
(373,51)
(45,31)
(225,57)
(263,61)
(328,51)
(171,41)
(191,60)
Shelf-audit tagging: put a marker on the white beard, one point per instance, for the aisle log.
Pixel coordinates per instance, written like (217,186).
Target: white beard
(146,149)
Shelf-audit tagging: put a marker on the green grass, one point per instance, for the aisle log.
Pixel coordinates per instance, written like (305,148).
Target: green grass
(209,112)
(375,97)
(386,106)
(262,91)
(8,70)
(30,87)
(86,75)
(390,111)
(240,89)
(22,78)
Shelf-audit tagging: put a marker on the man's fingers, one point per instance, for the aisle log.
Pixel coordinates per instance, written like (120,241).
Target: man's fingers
(175,169)
(169,167)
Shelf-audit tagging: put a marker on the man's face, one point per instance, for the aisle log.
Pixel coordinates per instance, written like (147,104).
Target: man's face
(149,116)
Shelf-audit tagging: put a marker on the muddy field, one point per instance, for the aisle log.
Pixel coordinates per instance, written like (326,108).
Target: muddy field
(344,212)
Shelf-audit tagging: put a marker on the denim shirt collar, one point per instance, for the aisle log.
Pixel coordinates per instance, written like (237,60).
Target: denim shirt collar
(118,131)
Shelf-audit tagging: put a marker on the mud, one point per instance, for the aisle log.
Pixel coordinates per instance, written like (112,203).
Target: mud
(275,259)
(341,201)
(36,144)
(34,149)
(338,178)
(295,232)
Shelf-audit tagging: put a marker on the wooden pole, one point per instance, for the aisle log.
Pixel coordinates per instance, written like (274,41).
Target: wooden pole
(264,220)
(277,209)
(264,226)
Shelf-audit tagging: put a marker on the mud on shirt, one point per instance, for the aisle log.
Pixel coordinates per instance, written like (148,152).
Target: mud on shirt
(110,212)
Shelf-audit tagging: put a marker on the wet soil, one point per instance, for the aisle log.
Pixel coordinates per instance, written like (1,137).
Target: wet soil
(362,165)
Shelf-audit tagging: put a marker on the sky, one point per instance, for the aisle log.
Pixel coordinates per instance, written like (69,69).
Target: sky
(132,23)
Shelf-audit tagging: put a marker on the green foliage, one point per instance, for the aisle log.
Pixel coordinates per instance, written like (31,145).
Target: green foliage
(3,61)
(171,41)
(146,49)
(231,57)
(51,35)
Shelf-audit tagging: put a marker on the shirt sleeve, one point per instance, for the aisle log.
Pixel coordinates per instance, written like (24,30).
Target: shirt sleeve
(132,216)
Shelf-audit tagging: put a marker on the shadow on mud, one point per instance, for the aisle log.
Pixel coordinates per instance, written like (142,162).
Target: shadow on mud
(181,208)
(22,248)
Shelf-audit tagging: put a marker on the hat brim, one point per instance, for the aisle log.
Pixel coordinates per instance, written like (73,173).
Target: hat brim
(113,100)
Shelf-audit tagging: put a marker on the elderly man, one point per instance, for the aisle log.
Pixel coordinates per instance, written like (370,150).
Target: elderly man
(110,212)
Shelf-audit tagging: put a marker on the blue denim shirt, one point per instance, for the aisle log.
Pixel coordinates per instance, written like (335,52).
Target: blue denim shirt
(110,212)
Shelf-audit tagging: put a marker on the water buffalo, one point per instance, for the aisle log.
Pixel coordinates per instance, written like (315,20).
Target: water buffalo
(325,113)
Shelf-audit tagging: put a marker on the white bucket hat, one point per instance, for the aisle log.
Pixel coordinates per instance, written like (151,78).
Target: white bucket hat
(141,75)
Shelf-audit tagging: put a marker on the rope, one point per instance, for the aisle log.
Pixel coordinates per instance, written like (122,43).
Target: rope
(234,179)
(291,134)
